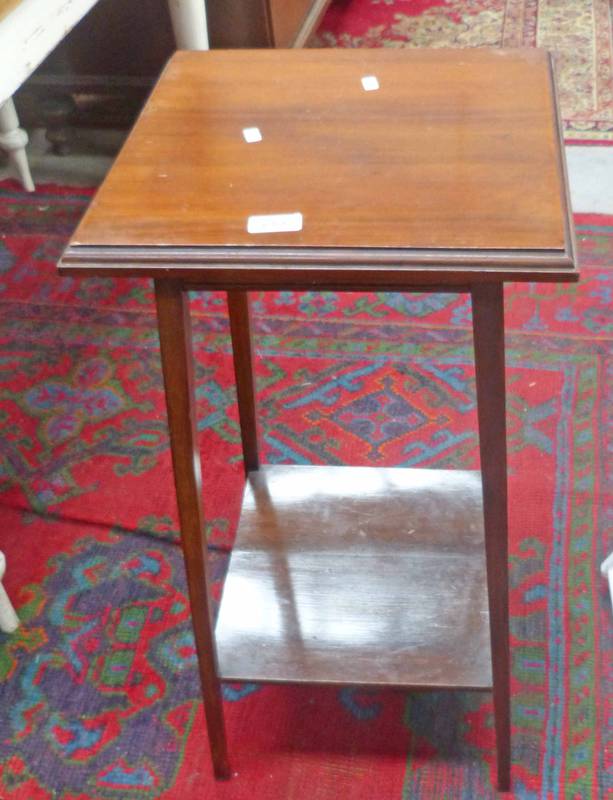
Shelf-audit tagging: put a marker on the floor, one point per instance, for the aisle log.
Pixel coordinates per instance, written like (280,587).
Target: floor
(91,157)
(590,168)
(590,173)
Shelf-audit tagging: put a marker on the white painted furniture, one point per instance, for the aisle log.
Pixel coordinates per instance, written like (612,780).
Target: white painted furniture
(189,24)
(14,139)
(31,29)
(8,618)
(606,569)
(28,33)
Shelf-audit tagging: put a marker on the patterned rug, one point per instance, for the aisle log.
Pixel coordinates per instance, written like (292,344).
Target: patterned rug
(578,32)
(98,689)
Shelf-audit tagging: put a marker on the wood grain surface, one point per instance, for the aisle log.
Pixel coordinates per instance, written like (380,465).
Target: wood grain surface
(357,575)
(263,23)
(454,159)
(288,17)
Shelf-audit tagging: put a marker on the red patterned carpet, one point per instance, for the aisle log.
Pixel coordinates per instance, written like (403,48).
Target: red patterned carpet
(578,32)
(98,689)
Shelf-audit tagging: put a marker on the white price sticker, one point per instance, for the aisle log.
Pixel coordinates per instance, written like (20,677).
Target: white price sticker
(251,135)
(370,83)
(274,223)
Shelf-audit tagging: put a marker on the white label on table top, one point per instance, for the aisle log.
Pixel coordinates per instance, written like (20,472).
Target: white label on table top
(274,223)
(251,135)
(370,83)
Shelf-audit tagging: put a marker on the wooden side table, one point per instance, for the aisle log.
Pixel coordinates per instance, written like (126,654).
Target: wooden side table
(350,170)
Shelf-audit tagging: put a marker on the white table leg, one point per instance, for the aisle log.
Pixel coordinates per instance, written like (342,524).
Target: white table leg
(14,139)
(189,24)
(606,568)
(8,618)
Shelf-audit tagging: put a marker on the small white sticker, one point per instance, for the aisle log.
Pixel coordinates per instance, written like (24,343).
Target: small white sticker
(274,223)
(370,83)
(252,135)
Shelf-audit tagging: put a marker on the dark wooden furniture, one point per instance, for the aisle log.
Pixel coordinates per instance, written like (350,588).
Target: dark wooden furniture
(263,23)
(449,177)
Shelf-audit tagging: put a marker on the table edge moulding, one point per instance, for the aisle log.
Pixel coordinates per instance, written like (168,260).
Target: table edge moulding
(339,575)
(262,262)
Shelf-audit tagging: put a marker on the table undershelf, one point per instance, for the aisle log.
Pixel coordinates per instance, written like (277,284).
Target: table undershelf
(357,576)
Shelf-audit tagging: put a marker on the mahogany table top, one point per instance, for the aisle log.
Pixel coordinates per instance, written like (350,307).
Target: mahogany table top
(377,166)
